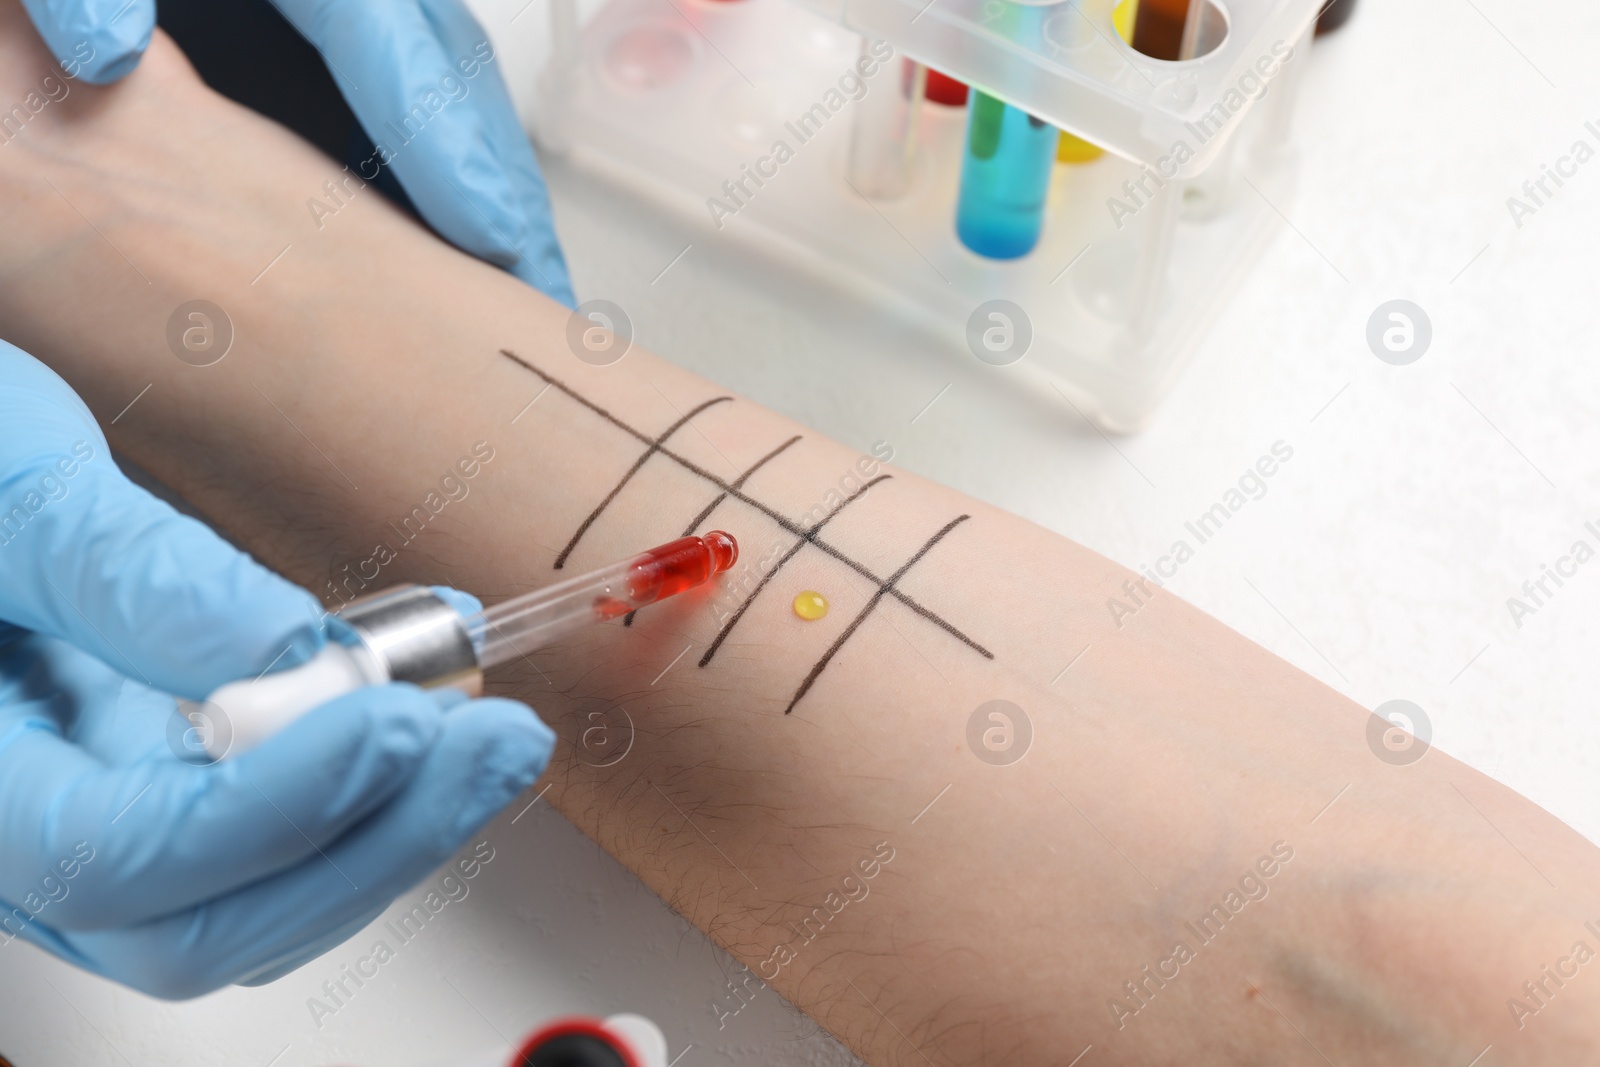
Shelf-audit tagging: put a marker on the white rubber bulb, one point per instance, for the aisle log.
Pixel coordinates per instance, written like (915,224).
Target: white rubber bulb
(240,715)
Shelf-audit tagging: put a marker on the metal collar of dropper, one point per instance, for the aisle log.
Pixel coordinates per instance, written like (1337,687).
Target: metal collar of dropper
(416,637)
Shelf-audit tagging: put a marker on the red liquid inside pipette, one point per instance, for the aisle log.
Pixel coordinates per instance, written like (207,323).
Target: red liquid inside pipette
(669,570)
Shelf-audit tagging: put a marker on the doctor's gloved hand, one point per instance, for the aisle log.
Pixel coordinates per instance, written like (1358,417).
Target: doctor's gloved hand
(169,875)
(421,76)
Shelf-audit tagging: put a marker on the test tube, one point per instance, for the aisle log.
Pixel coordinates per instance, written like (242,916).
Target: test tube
(883,136)
(1172,30)
(1074,149)
(1168,29)
(943,89)
(1005,176)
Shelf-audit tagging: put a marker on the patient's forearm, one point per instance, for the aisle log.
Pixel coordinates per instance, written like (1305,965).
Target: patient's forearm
(810,793)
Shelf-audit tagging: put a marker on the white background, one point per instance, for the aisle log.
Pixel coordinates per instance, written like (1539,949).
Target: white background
(1419,498)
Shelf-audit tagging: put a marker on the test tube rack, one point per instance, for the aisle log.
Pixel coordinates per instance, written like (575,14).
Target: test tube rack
(754,120)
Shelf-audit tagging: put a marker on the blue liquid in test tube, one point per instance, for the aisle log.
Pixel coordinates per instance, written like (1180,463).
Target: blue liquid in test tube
(1005,175)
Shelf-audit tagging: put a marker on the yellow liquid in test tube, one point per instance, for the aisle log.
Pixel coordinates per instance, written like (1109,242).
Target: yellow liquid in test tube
(1072,149)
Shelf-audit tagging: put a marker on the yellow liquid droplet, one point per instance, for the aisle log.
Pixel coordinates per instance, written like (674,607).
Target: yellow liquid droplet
(810,605)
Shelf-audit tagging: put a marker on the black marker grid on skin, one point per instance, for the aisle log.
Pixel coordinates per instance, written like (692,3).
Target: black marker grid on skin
(657,446)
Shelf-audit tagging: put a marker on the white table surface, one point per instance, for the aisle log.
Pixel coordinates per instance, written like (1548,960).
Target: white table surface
(1418,500)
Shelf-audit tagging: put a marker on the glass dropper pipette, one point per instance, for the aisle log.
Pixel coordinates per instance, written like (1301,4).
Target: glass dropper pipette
(413,633)
(538,619)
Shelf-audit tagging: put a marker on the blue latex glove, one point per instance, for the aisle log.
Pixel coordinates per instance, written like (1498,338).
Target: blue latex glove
(464,161)
(170,876)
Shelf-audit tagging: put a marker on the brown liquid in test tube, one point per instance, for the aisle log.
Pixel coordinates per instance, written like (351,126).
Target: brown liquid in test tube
(1158,27)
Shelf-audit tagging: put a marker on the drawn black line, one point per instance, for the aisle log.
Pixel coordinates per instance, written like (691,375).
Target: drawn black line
(655,446)
(738,483)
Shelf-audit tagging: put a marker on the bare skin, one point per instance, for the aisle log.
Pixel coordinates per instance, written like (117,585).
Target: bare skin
(1380,913)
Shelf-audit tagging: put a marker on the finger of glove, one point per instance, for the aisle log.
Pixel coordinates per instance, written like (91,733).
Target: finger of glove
(489,751)
(96,40)
(91,558)
(439,112)
(167,835)
(297,959)
(102,712)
